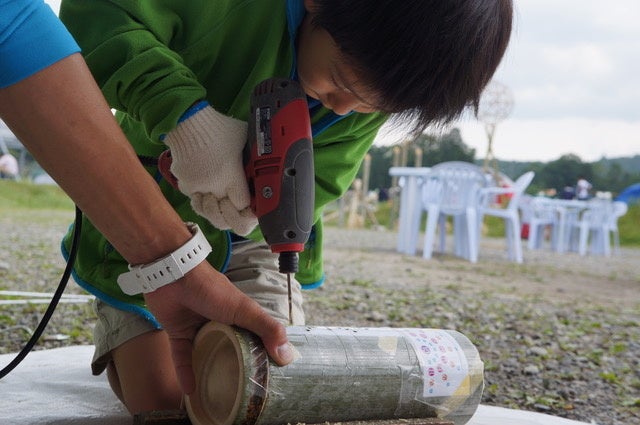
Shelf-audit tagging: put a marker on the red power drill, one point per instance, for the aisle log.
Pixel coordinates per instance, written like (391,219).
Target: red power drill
(278,160)
(278,163)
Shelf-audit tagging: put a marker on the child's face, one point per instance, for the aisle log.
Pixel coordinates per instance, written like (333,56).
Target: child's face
(325,75)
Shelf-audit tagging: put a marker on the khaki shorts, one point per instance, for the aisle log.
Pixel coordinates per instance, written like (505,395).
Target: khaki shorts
(253,269)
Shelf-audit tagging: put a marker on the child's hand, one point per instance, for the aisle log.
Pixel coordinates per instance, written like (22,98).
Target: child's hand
(185,305)
(206,149)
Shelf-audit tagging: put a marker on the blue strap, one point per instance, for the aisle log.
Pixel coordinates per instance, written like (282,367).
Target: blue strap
(197,107)
(295,15)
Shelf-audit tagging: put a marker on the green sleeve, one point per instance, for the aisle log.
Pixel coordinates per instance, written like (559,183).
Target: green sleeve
(338,153)
(133,50)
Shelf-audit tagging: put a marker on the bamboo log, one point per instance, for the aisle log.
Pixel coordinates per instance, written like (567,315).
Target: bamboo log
(340,374)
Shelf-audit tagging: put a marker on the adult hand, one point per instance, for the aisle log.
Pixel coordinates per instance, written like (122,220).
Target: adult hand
(206,149)
(202,295)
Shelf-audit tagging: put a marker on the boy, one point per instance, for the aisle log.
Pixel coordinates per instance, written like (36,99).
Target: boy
(178,71)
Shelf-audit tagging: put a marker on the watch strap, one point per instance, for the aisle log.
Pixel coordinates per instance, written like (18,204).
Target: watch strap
(147,278)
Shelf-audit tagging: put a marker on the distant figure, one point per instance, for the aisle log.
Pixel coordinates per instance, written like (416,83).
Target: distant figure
(383,194)
(8,167)
(582,188)
(568,192)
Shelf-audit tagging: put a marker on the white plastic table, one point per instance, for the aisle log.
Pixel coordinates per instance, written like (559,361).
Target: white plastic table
(411,179)
(565,208)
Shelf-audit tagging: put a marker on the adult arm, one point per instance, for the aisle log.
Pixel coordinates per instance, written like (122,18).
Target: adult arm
(60,115)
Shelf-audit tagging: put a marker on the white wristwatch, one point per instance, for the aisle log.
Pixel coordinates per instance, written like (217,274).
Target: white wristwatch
(147,278)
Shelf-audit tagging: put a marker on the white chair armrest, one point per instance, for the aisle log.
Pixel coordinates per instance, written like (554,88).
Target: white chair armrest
(495,190)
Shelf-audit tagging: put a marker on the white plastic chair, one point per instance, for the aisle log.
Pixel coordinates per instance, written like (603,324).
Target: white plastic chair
(619,209)
(542,215)
(452,189)
(568,213)
(593,227)
(525,209)
(510,214)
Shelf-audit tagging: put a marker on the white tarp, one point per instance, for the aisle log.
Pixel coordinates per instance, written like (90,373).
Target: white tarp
(55,387)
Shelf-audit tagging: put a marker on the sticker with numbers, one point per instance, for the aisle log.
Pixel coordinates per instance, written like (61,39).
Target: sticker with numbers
(443,363)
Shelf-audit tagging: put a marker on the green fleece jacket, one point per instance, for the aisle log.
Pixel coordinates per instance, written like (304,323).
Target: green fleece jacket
(154,59)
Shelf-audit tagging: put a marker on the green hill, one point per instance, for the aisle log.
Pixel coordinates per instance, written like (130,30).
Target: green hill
(26,195)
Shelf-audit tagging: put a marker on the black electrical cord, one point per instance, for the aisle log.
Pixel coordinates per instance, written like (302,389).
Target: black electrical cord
(54,300)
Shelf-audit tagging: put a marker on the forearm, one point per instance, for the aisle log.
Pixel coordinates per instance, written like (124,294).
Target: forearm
(60,115)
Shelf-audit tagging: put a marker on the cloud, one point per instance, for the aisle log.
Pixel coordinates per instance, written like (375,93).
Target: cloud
(572,66)
(574,58)
(543,139)
(591,61)
(548,139)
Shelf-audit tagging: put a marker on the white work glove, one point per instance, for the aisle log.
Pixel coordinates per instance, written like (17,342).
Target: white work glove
(206,150)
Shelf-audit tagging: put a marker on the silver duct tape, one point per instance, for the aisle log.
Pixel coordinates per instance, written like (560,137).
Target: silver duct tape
(340,374)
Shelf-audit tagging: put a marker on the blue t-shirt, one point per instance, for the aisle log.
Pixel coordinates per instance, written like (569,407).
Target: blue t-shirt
(31,39)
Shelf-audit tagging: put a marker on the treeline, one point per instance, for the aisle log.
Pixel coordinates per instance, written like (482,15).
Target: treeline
(611,175)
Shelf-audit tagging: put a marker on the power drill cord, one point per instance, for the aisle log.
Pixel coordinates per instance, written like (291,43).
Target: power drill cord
(54,300)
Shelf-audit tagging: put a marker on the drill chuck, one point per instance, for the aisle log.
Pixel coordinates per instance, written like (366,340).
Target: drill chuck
(288,262)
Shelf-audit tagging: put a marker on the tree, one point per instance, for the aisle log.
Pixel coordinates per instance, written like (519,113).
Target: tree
(435,149)
(613,177)
(564,172)
(448,147)
(605,175)
(381,161)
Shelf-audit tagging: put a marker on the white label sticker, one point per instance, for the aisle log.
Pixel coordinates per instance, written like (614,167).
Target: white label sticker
(444,365)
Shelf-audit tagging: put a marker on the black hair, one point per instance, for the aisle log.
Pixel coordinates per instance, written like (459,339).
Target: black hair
(427,59)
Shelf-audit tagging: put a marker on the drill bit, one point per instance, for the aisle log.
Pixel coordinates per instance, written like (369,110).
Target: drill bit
(289,295)
(288,263)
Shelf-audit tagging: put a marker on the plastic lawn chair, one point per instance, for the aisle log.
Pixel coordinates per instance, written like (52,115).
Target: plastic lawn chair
(510,214)
(452,189)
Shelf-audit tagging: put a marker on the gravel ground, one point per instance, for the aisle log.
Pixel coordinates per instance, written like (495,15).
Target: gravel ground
(558,334)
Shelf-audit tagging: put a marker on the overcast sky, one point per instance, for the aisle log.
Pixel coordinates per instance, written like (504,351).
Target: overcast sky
(573,68)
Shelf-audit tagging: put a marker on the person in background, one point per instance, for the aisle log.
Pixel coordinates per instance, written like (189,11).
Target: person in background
(181,73)
(9,167)
(583,188)
(51,102)
(568,192)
